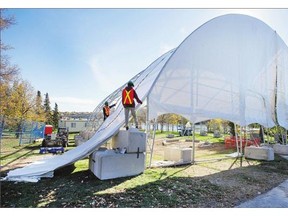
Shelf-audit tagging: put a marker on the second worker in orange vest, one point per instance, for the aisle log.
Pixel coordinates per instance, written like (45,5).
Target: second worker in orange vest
(128,96)
(106,110)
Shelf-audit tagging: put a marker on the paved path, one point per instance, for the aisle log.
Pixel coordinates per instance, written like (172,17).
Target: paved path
(275,198)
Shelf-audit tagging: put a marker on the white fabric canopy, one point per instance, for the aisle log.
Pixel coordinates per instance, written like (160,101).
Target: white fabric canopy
(225,69)
(282,86)
(234,67)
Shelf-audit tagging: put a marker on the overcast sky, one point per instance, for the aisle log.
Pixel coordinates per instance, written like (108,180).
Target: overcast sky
(80,56)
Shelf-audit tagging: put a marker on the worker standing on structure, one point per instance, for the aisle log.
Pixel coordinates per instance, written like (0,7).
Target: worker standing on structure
(107,109)
(128,96)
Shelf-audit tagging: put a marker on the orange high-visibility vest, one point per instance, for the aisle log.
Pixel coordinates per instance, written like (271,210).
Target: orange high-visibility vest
(107,110)
(128,97)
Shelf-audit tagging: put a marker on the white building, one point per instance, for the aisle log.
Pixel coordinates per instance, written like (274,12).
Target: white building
(73,125)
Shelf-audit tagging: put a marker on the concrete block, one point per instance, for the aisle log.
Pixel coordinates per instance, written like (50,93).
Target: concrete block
(109,164)
(170,141)
(259,153)
(170,136)
(178,154)
(78,140)
(133,140)
(280,149)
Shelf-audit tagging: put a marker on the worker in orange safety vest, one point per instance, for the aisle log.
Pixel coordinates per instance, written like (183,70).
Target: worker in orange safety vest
(128,96)
(107,109)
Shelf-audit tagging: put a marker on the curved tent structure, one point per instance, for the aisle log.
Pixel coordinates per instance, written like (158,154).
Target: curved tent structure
(282,87)
(234,67)
(227,69)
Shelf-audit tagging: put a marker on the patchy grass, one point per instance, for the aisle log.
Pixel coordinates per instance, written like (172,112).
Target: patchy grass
(11,152)
(216,182)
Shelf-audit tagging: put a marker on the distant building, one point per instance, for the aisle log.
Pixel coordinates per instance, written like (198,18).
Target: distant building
(73,125)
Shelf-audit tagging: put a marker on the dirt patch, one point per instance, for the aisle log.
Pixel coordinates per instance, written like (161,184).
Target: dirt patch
(242,178)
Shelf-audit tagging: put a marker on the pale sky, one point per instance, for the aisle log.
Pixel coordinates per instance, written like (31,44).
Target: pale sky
(81,55)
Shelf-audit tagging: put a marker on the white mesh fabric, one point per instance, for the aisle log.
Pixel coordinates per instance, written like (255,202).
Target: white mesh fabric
(224,69)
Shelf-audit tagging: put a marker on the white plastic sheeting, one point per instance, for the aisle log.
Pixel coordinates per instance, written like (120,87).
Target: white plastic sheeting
(233,67)
(110,127)
(225,69)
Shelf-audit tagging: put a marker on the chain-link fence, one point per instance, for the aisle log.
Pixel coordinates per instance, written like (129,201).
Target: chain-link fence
(20,130)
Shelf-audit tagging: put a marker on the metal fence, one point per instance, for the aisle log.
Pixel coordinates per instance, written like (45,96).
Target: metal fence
(23,130)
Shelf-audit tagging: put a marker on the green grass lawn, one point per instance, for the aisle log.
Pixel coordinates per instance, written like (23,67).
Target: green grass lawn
(11,151)
(163,187)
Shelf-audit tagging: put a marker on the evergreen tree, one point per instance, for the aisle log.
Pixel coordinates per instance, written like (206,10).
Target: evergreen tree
(55,116)
(39,109)
(47,110)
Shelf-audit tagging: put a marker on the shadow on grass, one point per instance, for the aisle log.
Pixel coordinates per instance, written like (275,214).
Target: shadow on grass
(155,188)
(30,148)
(16,155)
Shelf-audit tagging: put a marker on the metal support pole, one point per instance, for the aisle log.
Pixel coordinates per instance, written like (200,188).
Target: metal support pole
(241,141)
(263,134)
(147,117)
(148,129)
(193,156)
(21,133)
(154,134)
(236,137)
(241,145)
(2,123)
